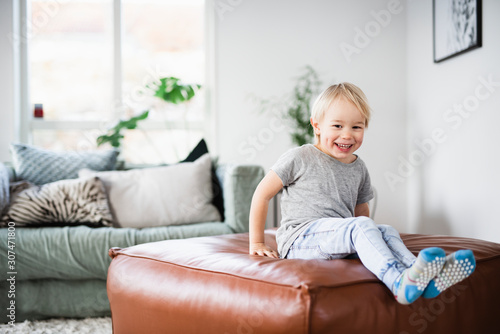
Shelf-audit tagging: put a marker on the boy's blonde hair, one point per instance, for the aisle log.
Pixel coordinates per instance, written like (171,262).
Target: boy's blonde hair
(346,90)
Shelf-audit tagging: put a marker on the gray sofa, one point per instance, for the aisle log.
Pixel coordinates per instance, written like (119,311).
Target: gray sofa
(61,271)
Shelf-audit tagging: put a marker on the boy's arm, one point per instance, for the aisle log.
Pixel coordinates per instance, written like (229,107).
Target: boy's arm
(362,210)
(266,190)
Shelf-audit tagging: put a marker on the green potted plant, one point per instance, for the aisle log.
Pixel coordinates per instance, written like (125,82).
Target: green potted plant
(169,89)
(295,107)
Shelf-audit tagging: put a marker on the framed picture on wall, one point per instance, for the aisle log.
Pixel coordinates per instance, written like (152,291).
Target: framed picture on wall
(457,27)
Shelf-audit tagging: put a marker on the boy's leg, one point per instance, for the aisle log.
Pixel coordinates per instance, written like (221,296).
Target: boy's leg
(316,241)
(393,240)
(336,238)
(413,281)
(458,266)
(372,247)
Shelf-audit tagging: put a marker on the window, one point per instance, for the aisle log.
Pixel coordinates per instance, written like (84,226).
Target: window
(89,62)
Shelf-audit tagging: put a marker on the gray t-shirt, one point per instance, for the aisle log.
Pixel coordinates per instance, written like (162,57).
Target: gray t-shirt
(317,186)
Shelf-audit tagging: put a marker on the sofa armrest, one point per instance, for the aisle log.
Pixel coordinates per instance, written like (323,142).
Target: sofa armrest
(4,188)
(238,185)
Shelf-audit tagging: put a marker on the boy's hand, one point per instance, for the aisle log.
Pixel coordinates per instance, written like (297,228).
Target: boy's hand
(263,250)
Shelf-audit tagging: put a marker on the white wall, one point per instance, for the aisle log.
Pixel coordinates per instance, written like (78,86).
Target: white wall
(7,98)
(456,189)
(262,45)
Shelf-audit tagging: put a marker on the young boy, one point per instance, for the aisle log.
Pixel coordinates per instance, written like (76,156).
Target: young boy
(326,189)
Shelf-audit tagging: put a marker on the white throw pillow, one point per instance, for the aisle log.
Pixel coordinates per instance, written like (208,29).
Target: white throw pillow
(160,196)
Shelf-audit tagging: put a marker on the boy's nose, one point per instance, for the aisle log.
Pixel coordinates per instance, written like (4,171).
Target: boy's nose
(346,134)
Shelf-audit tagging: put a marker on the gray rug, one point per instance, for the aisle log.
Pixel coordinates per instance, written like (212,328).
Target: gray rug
(60,326)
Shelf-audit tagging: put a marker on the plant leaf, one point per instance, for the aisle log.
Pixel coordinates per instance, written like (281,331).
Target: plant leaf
(114,136)
(172,90)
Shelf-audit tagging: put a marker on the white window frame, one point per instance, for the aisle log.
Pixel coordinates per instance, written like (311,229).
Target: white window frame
(24,116)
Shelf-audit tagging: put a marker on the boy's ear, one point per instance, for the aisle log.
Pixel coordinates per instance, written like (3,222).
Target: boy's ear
(315,126)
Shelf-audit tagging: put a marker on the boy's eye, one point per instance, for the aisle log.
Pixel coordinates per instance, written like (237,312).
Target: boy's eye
(338,126)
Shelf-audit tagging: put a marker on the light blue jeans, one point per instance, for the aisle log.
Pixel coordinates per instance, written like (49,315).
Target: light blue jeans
(379,247)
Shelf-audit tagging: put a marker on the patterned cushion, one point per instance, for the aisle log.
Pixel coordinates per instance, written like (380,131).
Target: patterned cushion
(4,188)
(40,166)
(65,202)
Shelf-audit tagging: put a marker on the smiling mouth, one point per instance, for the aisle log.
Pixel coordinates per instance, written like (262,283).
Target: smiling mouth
(343,147)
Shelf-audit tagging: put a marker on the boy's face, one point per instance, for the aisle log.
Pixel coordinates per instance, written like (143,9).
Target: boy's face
(340,131)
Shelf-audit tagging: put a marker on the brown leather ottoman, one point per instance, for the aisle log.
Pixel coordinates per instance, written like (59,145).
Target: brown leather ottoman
(211,285)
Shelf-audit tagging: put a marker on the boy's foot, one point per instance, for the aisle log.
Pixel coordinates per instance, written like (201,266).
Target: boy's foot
(458,266)
(413,281)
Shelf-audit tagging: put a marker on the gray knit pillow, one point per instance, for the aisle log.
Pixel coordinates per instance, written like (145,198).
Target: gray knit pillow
(41,166)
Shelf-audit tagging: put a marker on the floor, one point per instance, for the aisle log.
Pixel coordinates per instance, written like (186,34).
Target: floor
(60,326)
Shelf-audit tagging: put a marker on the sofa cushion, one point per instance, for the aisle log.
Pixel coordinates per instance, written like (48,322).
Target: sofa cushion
(65,202)
(201,149)
(160,196)
(41,166)
(81,252)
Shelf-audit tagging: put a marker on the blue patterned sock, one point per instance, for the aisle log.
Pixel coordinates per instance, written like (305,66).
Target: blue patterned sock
(458,266)
(412,282)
